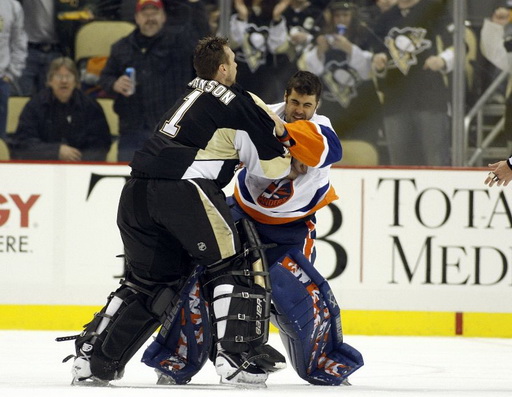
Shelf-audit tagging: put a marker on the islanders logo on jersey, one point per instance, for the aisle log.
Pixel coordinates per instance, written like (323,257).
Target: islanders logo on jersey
(404,45)
(276,194)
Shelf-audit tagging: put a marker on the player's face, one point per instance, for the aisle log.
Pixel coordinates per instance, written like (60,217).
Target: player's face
(299,107)
(150,20)
(230,66)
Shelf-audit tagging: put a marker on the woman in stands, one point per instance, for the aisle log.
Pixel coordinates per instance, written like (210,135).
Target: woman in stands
(61,122)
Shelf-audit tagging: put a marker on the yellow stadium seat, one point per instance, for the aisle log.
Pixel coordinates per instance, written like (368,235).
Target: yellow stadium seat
(4,151)
(112,153)
(112,118)
(95,38)
(15,106)
(357,152)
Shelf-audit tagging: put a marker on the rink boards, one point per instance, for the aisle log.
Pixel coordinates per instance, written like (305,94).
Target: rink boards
(407,251)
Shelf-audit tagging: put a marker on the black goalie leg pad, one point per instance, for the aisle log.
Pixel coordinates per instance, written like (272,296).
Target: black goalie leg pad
(238,312)
(256,262)
(239,291)
(132,314)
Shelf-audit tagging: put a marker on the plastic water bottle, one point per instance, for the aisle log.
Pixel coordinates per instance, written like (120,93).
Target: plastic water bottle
(130,72)
(341,29)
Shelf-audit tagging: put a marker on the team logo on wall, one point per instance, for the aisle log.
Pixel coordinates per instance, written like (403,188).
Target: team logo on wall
(404,45)
(342,82)
(276,194)
(254,47)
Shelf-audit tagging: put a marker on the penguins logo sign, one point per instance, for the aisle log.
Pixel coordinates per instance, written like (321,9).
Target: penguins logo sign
(404,44)
(342,82)
(254,47)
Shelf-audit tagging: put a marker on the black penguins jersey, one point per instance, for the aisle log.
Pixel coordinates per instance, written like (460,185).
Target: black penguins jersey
(207,133)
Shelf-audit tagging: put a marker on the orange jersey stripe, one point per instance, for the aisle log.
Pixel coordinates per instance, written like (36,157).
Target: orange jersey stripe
(278,220)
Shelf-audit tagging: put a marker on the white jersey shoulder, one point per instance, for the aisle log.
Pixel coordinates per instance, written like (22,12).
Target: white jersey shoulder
(277,201)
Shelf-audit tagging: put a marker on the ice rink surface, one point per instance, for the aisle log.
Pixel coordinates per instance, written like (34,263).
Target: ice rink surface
(31,365)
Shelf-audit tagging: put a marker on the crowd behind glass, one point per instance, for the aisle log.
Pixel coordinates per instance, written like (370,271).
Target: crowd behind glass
(386,68)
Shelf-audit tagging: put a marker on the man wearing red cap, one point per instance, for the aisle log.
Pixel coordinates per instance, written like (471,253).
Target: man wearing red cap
(161,56)
(148,3)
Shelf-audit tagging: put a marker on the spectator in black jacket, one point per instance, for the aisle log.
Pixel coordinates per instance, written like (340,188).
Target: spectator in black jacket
(162,58)
(179,12)
(413,55)
(61,122)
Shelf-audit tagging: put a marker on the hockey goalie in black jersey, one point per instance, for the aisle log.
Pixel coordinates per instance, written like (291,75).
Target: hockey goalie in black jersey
(175,223)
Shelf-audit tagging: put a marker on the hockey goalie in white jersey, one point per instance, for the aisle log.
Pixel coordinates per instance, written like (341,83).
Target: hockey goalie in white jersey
(283,214)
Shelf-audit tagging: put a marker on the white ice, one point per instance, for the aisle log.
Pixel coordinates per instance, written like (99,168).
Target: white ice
(31,365)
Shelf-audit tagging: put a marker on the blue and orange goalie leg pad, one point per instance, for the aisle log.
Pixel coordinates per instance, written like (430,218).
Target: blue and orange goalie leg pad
(182,351)
(309,322)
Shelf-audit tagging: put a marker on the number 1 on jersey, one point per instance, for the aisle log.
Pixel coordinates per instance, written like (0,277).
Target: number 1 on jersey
(171,126)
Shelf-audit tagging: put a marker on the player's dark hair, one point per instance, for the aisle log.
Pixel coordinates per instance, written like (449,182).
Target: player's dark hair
(209,54)
(305,83)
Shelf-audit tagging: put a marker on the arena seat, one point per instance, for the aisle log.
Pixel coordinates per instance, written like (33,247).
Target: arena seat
(112,118)
(95,38)
(4,151)
(357,152)
(15,106)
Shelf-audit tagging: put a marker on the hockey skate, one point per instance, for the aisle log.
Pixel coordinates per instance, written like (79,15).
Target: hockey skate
(268,358)
(235,369)
(81,369)
(164,379)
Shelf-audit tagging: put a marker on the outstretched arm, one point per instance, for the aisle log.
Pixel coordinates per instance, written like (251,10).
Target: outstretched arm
(501,173)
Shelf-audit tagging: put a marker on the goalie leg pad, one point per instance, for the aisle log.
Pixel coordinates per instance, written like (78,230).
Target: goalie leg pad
(244,326)
(239,289)
(237,285)
(182,351)
(309,321)
(239,292)
(133,312)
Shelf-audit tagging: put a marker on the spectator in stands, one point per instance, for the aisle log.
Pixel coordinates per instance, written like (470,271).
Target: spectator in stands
(413,54)
(260,37)
(384,5)
(13,51)
(342,58)
(51,26)
(162,58)
(179,12)
(61,122)
(496,47)
(304,21)
(213,17)
(495,30)
(372,10)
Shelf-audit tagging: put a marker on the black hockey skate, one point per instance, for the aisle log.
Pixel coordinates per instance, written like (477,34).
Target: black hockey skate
(238,370)
(81,369)
(268,358)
